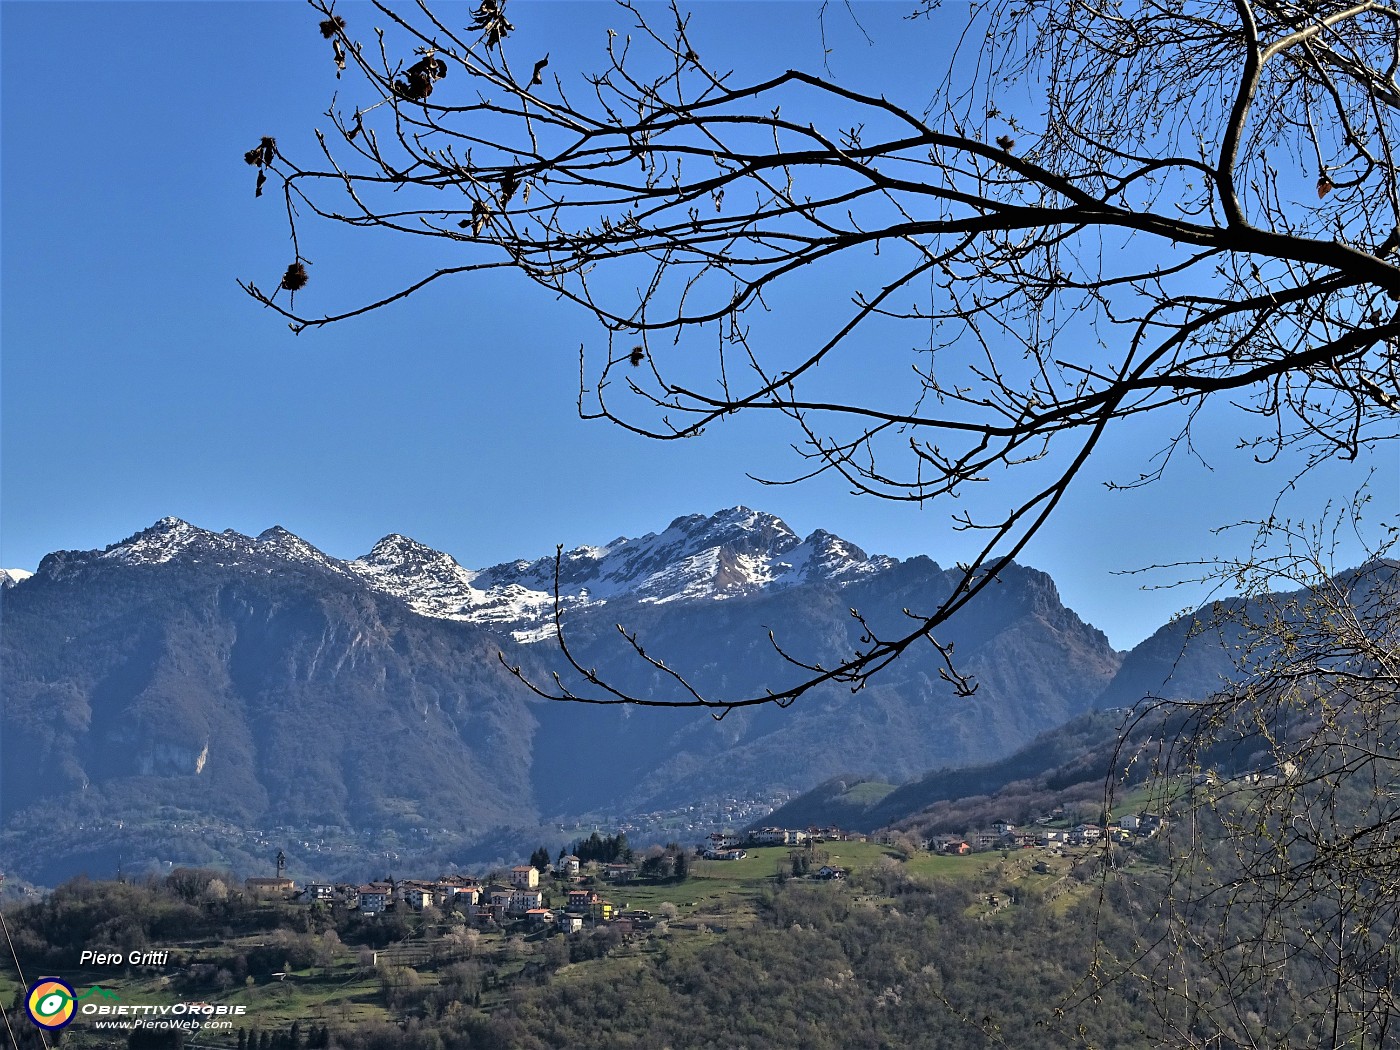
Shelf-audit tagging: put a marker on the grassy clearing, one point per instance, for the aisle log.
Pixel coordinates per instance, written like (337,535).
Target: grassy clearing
(867,793)
(947,866)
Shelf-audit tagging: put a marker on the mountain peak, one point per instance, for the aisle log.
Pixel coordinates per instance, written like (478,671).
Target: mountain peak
(397,553)
(731,553)
(428,581)
(731,524)
(278,543)
(157,544)
(396,545)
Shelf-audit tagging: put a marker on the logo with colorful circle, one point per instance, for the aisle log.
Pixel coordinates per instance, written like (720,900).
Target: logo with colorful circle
(51,1002)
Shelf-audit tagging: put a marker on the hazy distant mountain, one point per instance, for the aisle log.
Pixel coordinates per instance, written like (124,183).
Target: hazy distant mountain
(1193,657)
(191,676)
(1196,654)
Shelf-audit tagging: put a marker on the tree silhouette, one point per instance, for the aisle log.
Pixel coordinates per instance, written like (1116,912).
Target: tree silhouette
(1285,867)
(1202,211)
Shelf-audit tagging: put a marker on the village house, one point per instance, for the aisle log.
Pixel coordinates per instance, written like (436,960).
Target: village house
(416,895)
(457,883)
(590,902)
(568,866)
(1085,833)
(725,854)
(456,890)
(486,912)
(522,901)
(264,887)
(373,898)
(570,922)
(985,838)
(1149,824)
(466,895)
(778,837)
(524,876)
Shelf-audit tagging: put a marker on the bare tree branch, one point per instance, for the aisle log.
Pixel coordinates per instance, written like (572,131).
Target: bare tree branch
(1241,150)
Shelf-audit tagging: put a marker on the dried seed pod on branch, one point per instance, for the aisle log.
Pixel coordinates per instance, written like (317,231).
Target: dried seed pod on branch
(294,280)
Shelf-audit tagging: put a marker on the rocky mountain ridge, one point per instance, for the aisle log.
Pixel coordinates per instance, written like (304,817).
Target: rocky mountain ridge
(220,680)
(732,553)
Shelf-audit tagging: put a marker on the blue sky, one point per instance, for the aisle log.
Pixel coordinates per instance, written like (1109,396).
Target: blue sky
(139,381)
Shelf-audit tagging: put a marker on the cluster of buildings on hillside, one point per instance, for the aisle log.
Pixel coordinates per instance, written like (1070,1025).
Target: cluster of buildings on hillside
(521,898)
(1000,835)
(1005,835)
(726,845)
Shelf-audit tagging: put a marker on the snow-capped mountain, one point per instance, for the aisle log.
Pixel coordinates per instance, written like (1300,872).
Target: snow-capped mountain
(171,539)
(10,577)
(731,553)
